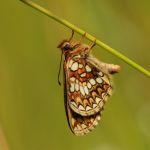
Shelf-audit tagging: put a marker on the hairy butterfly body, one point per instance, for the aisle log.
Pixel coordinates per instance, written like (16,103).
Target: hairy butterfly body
(87,85)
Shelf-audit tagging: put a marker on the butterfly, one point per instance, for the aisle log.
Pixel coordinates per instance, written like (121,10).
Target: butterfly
(87,86)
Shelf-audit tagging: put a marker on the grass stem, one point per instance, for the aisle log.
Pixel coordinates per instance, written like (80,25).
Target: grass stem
(88,36)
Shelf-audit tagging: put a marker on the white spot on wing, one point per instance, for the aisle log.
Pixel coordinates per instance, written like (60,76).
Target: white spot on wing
(77,87)
(86,90)
(80,65)
(89,85)
(98,118)
(83,75)
(109,91)
(103,95)
(92,81)
(88,69)
(101,74)
(81,107)
(73,103)
(92,119)
(84,84)
(106,79)
(101,104)
(75,129)
(79,128)
(83,126)
(95,123)
(74,66)
(92,127)
(88,108)
(99,80)
(77,81)
(97,100)
(86,131)
(94,105)
(82,90)
(72,79)
(72,87)
(70,63)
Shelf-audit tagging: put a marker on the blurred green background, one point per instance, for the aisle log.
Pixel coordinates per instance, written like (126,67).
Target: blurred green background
(32,115)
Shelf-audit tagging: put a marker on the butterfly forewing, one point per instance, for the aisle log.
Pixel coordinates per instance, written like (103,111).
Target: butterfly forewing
(79,125)
(87,85)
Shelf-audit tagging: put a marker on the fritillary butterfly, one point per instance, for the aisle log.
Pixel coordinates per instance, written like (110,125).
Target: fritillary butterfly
(87,85)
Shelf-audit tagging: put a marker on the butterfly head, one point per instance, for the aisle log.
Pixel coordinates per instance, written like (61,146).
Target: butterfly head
(68,46)
(71,48)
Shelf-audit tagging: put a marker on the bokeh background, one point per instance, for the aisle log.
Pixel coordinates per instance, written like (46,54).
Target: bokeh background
(32,115)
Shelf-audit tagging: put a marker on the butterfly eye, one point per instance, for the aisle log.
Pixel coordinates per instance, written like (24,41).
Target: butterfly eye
(67,46)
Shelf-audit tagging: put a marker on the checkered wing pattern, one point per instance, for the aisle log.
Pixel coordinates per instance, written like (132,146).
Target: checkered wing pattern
(81,125)
(87,86)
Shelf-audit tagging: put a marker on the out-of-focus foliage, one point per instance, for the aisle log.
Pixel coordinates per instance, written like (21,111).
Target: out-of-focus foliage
(32,115)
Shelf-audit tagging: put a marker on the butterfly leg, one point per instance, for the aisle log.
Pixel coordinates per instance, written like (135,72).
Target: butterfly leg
(72,34)
(93,44)
(83,36)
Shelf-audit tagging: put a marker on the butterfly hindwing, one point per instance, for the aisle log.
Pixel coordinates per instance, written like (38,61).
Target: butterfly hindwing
(81,125)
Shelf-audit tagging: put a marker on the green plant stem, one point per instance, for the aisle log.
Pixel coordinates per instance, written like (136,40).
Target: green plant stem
(88,36)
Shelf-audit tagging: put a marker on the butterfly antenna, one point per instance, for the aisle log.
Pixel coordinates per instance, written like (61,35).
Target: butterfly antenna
(60,69)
